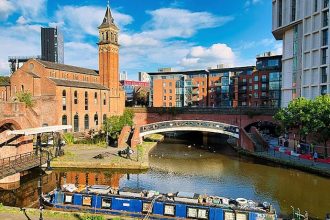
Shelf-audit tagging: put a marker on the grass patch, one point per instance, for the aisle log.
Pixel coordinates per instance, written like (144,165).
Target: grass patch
(56,214)
(154,137)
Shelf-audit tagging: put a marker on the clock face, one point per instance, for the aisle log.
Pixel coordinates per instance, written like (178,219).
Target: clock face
(31,66)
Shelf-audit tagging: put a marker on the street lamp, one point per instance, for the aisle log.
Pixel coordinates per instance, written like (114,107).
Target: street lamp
(46,169)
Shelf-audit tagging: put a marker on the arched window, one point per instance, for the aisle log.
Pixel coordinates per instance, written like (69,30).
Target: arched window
(86,122)
(104,118)
(75,99)
(116,38)
(96,119)
(105,99)
(111,36)
(102,37)
(86,100)
(64,100)
(95,97)
(22,88)
(76,123)
(64,120)
(107,37)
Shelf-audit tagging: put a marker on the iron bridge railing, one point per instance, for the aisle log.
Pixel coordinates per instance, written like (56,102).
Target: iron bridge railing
(21,162)
(190,123)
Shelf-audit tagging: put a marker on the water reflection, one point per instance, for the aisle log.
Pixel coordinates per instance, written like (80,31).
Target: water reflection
(175,167)
(27,194)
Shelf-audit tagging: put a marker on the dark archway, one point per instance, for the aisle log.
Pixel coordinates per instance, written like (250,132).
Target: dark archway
(267,126)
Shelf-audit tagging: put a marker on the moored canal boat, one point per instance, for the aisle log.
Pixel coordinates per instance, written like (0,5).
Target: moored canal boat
(145,204)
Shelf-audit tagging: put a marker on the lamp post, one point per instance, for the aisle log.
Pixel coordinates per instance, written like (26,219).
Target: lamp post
(38,144)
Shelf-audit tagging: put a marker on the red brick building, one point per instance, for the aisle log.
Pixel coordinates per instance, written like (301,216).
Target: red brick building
(262,87)
(64,94)
(258,85)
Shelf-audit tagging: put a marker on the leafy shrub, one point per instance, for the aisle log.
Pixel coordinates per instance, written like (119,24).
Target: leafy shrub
(93,218)
(25,97)
(68,138)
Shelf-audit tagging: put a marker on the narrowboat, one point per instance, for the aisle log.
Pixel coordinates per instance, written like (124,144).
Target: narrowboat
(148,204)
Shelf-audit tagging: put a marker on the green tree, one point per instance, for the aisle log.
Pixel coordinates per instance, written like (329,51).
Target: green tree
(298,115)
(115,124)
(25,97)
(321,117)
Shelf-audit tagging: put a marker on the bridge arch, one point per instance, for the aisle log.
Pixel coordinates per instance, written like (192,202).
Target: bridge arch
(190,125)
(10,122)
(262,124)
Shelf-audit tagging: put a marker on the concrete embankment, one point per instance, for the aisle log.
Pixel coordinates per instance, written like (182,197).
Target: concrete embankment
(290,162)
(82,156)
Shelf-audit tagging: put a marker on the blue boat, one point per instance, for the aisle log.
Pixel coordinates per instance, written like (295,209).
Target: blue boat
(143,204)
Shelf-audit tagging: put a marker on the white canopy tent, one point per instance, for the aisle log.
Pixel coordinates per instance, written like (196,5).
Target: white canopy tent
(39,130)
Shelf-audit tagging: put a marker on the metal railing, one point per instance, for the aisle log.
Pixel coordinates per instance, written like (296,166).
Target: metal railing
(210,110)
(190,123)
(18,163)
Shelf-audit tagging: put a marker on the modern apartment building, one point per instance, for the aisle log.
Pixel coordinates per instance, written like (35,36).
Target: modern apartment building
(261,87)
(303,25)
(258,85)
(212,87)
(52,45)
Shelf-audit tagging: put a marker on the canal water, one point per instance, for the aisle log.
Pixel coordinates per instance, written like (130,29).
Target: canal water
(178,165)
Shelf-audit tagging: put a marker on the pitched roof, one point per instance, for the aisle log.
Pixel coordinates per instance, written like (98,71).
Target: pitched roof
(4,81)
(108,19)
(77,84)
(32,74)
(64,67)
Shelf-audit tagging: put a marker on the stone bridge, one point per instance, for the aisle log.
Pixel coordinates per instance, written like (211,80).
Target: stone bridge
(240,120)
(15,116)
(189,125)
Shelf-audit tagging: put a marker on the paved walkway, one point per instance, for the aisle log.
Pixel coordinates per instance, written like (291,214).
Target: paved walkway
(299,162)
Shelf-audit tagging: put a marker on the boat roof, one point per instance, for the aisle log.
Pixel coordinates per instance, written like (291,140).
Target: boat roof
(186,194)
(40,130)
(131,190)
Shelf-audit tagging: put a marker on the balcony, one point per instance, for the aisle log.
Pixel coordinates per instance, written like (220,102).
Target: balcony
(264,89)
(195,92)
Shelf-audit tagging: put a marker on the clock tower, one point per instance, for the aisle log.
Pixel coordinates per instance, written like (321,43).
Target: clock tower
(109,63)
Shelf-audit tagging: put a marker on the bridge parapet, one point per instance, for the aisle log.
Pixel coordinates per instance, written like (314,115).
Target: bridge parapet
(190,125)
(250,111)
(12,109)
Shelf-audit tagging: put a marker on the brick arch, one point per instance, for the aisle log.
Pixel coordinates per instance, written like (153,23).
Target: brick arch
(253,123)
(11,121)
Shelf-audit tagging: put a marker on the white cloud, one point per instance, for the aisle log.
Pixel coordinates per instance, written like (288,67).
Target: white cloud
(268,44)
(32,9)
(158,43)
(22,20)
(81,54)
(171,22)
(6,8)
(18,40)
(249,3)
(87,19)
(202,57)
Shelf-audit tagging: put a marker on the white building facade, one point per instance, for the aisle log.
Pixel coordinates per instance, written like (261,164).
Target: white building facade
(303,25)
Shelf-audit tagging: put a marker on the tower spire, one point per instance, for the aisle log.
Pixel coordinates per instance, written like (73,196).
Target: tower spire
(108,4)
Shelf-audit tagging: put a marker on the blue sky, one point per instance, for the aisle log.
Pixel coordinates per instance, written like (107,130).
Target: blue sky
(182,34)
